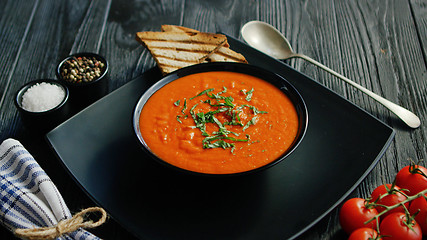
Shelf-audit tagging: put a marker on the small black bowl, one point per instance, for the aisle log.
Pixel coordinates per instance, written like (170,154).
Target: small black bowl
(248,69)
(84,93)
(43,120)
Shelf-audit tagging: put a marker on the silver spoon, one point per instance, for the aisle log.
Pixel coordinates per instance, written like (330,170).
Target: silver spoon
(270,41)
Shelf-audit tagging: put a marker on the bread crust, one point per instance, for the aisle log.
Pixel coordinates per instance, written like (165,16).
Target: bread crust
(175,28)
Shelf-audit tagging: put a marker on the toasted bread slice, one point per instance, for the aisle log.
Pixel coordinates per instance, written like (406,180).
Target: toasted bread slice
(174,50)
(188,37)
(222,54)
(225,54)
(174,28)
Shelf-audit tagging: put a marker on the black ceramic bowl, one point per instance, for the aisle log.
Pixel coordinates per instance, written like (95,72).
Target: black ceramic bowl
(43,120)
(248,69)
(84,92)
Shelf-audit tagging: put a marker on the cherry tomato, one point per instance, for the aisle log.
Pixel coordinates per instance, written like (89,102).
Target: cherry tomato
(364,234)
(420,204)
(354,213)
(393,198)
(394,227)
(413,178)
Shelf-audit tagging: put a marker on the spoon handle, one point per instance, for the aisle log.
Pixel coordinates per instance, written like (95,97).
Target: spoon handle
(408,117)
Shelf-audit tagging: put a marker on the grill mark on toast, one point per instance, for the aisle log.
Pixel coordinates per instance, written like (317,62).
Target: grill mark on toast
(178,59)
(226,57)
(180,49)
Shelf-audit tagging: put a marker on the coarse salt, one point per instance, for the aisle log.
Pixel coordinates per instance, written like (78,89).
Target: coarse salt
(42,97)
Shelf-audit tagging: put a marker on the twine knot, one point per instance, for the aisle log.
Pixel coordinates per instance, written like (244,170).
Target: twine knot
(64,226)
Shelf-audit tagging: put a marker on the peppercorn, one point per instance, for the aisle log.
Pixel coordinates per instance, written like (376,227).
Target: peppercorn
(82,69)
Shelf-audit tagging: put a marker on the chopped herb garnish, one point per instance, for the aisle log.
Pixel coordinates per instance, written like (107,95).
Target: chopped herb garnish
(184,107)
(220,104)
(213,138)
(217,96)
(254,109)
(249,95)
(223,91)
(251,122)
(203,92)
(192,112)
(220,144)
(178,117)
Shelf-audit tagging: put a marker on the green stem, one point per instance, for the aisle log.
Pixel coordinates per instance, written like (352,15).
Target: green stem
(388,208)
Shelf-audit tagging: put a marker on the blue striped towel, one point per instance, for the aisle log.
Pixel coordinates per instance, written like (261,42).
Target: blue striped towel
(28,197)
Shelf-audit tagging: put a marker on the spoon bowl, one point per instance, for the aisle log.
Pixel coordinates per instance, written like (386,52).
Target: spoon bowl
(267,39)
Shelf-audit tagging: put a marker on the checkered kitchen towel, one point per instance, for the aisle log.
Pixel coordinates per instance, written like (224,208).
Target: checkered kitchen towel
(28,197)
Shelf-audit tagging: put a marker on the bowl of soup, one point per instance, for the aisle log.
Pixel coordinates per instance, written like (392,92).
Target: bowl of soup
(220,119)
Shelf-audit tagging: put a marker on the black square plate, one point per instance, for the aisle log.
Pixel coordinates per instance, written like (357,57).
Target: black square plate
(341,146)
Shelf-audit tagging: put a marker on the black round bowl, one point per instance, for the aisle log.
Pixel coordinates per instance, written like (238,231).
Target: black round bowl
(44,120)
(84,93)
(248,69)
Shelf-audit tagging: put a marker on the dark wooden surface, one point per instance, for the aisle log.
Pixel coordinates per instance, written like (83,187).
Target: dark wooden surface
(381,45)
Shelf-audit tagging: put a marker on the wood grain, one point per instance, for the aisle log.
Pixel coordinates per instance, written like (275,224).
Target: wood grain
(127,18)
(12,44)
(419,12)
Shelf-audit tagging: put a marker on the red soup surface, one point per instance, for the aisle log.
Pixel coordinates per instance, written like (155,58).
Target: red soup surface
(219,122)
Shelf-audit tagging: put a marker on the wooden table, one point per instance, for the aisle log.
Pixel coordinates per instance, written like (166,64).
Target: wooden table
(381,45)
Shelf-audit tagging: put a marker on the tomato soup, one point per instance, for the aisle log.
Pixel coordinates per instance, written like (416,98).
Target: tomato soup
(219,122)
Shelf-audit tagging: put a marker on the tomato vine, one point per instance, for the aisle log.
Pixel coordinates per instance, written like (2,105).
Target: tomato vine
(395,216)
